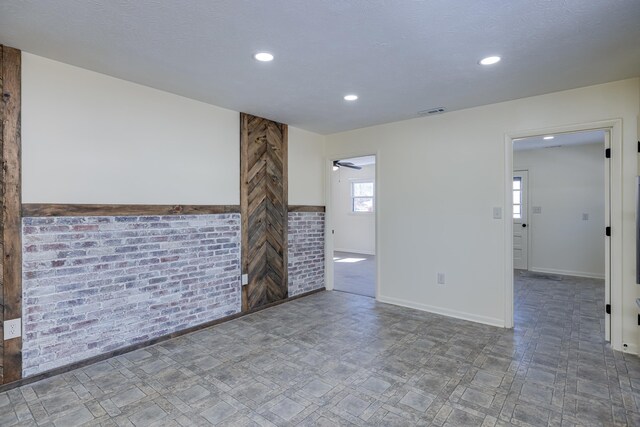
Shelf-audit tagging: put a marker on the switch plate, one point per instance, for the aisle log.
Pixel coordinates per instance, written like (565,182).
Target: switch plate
(585,217)
(245,279)
(497,213)
(536,209)
(440,278)
(12,328)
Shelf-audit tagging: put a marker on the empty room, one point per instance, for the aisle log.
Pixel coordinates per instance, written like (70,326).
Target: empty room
(331,213)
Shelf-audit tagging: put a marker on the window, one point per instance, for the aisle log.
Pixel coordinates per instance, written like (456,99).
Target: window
(517,197)
(362,196)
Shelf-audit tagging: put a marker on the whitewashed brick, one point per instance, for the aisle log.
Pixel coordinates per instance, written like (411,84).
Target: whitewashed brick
(306,252)
(95,284)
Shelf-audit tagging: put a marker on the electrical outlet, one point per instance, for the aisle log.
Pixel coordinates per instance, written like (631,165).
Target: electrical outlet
(585,217)
(440,278)
(12,328)
(245,279)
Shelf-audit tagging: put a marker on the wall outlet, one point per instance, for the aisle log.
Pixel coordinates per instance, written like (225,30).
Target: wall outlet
(585,217)
(440,278)
(12,328)
(245,279)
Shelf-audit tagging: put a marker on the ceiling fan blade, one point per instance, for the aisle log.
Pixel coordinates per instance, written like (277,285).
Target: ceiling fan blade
(349,165)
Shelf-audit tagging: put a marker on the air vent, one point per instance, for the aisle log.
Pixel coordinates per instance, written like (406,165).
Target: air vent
(431,111)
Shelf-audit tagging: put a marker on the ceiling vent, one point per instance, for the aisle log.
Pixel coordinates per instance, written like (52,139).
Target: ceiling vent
(432,111)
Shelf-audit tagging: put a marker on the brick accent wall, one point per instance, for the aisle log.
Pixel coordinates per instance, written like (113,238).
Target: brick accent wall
(95,284)
(306,252)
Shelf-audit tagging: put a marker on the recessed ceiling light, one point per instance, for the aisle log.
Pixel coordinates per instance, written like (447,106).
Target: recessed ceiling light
(350,97)
(549,137)
(263,56)
(490,60)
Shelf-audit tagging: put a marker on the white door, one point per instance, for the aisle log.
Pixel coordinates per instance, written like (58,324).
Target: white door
(520,225)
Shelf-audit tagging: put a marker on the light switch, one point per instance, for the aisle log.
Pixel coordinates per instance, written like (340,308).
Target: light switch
(585,217)
(536,209)
(245,279)
(497,213)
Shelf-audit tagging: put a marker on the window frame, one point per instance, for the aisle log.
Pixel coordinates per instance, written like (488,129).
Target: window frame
(352,197)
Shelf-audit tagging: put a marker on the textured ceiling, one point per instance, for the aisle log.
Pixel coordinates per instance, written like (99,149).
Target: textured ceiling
(400,56)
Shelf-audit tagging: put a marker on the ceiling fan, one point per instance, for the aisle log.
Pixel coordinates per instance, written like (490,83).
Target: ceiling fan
(340,164)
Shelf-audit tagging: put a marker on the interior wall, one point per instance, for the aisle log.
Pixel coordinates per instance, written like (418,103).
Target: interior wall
(439,179)
(91,138)
(353,232)
(566,183)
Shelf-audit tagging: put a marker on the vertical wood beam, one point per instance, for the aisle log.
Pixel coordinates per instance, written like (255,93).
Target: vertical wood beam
(11,203)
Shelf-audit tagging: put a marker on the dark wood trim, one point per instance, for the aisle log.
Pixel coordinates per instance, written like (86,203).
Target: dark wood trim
(44,209)
(87,362)
(11,201)
(306,208)
(244,201)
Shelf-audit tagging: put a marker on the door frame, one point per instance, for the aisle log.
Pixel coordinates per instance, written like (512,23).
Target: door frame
(526,214)
(329,241)
(613,181)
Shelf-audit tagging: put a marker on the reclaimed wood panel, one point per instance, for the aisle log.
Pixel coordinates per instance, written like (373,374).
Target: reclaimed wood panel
(264,210)
(44,209)
(11,204)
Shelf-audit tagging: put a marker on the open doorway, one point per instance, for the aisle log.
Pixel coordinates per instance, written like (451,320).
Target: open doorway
(353,202)
(560,213)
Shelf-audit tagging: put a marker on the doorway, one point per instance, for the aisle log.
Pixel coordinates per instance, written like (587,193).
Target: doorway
(560,211)
(353,212)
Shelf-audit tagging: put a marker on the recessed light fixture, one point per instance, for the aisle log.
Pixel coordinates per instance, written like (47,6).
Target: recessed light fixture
(263,56)
(490,60)
(350,97)
(549,137)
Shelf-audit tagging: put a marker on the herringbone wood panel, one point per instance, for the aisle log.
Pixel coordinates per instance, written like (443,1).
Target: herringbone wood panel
(263,205)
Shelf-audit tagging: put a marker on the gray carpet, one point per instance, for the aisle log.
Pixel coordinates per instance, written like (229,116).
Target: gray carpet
(354,273)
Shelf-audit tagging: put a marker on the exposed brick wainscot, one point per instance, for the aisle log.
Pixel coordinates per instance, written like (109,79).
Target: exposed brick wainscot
(92,285)
(306,252)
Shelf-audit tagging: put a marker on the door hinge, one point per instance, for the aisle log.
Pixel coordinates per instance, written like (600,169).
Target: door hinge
(607,231)
(607,153)
(607,308)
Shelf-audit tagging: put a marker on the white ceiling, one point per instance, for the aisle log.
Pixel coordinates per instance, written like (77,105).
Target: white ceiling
(559,140)
(361,161)
(400,57)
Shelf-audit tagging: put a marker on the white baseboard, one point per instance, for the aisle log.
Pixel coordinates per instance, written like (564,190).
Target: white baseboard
(567,273)
(630,348)
(444,311)
(354,251)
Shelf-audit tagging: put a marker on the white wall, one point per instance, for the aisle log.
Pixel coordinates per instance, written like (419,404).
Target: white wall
(354,232)
(91,138)
(565,182)
(439,178)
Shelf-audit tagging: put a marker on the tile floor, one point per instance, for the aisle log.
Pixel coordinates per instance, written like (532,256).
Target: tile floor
(340,359)
(357,277)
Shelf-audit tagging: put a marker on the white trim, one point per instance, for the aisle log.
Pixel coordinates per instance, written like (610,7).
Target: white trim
(354,251)
(614,126)
(443,311)
(568,273)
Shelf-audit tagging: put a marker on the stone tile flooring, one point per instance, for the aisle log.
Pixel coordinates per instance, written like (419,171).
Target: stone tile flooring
(340,359)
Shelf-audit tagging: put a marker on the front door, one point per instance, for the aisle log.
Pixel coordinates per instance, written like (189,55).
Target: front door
(520,225)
